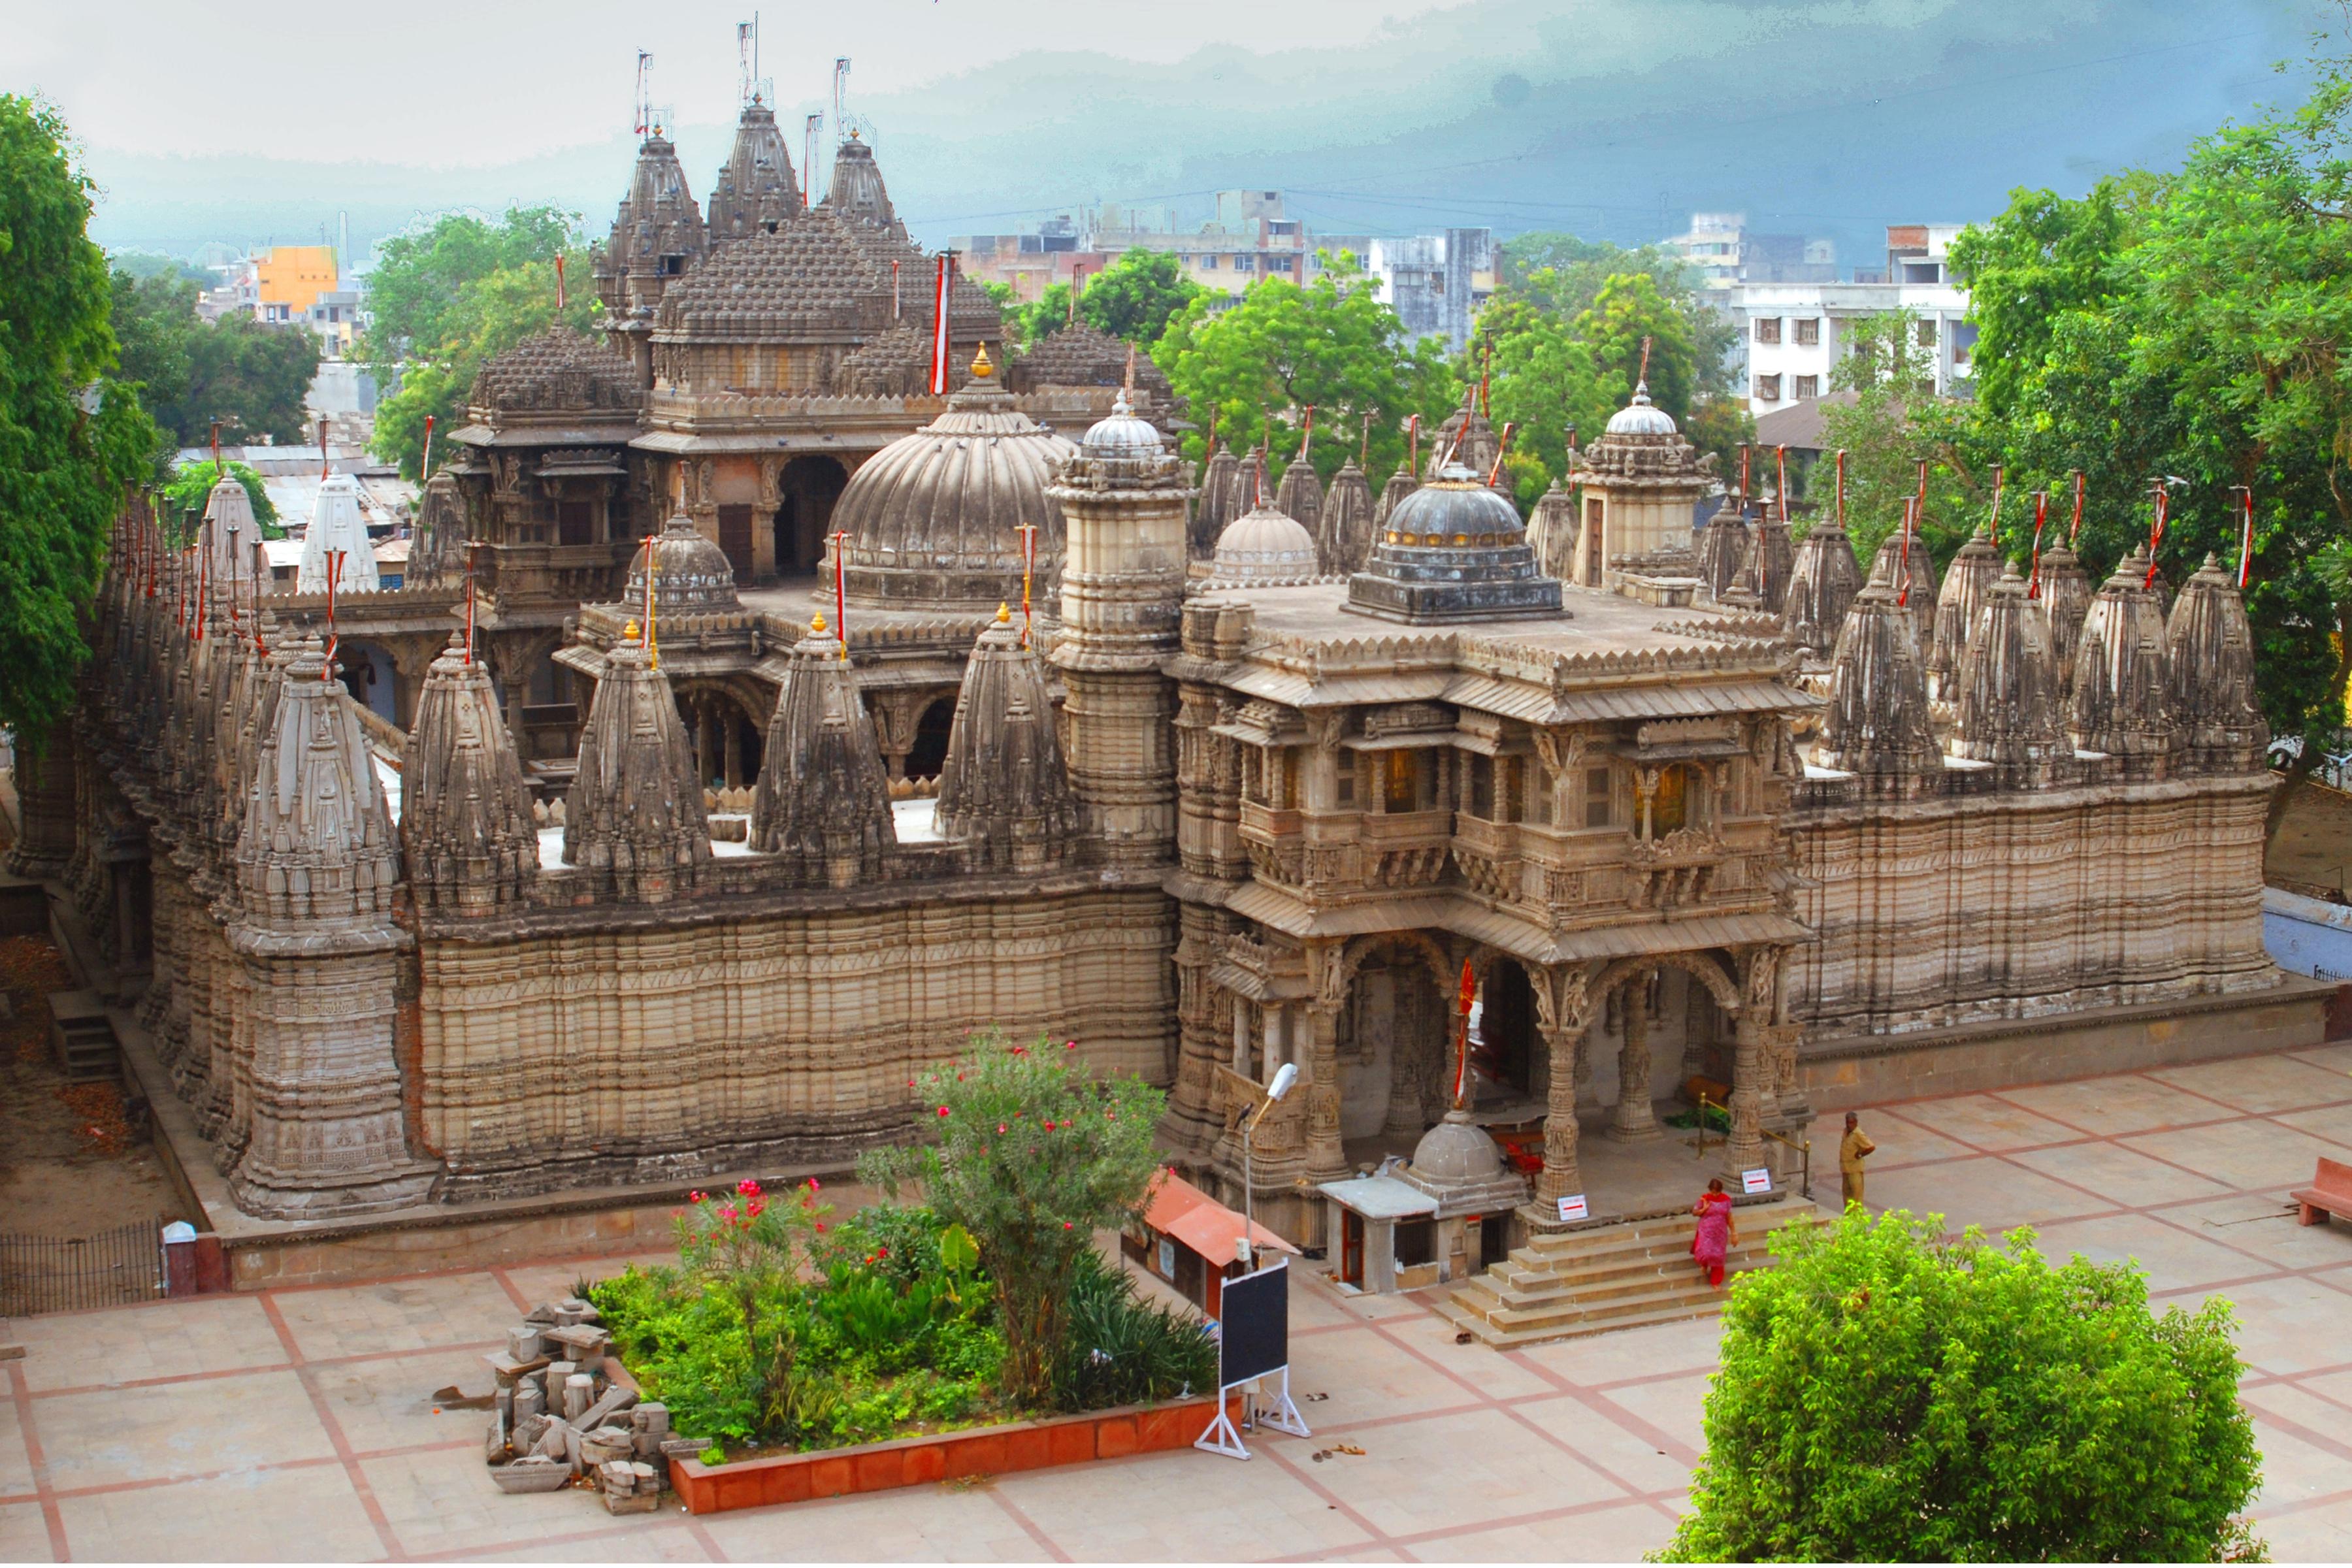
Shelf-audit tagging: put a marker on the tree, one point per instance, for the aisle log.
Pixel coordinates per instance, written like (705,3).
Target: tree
(457,294)
(1332,345)
(1892,421)
(250,377)
(1550,370)
(142,265)
(1887,1395)
(1033,1157)
(190,490)
(72,439)
(1136,296)
(2195,325)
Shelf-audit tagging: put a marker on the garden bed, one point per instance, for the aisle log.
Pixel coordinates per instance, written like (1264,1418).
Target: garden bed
(948,1455)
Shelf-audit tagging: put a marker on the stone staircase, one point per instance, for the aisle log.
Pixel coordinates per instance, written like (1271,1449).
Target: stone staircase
(1614,1277)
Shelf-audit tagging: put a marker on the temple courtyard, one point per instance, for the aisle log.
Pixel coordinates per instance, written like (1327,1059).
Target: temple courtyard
(299,1423)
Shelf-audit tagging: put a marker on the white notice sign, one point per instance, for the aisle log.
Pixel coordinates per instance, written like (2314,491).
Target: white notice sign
(1572,1207)
(1758,1181)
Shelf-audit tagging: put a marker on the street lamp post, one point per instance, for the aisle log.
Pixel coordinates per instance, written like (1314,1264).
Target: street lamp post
(1285,1076)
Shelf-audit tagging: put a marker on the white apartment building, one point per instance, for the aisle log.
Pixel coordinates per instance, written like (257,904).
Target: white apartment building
(1724,253)
(1793,334)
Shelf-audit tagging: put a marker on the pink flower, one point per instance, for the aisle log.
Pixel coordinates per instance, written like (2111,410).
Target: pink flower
(811,1183)
(1066,1226)
(726,1211)
(1069,1044)
(748,1187)
(1000,1127)
(695,1197)
(943,1110)
(910,1083)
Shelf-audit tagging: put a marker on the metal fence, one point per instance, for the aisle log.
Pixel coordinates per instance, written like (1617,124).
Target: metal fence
(63,1274)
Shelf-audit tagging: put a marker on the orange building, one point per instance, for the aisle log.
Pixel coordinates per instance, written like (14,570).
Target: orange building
(288,279)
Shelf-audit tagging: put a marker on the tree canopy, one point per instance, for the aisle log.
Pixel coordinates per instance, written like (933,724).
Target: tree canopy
(1887,1395)
(1565,354)
(450,297)
(190,490)
(1134,297)
(250,376)
(72,440)
(1330,344)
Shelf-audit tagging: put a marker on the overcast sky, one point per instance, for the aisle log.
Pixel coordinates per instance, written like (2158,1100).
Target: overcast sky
(270,122)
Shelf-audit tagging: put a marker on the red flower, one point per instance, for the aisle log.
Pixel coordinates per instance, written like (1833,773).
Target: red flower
(882,1252)
(1069,1044)
(694,1197)
(1066,1226)
(1000,1127)
(943,1110)
(819,1226)
(811,1183)
(748,1187)
(1049,1127)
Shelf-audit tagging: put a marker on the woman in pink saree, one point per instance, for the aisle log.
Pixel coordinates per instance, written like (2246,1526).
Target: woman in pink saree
(1717,1233)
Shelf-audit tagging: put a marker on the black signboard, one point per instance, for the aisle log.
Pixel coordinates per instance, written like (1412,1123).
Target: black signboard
(1256,1325)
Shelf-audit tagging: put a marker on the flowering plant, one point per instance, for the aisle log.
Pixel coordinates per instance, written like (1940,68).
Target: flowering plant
(746,1246)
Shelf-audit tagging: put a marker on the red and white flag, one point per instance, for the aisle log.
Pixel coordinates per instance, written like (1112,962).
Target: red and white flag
(2246,537)
(940,333)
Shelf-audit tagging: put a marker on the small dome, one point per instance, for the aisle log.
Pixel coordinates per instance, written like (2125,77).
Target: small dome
(1122,436)
(1455,505)
(691,574)
(1641,417)
(1264,546)
(1457,1153)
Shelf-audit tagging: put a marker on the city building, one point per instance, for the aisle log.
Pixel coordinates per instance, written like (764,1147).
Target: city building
(1792,335)
(283,282)
(1435,282)
(1724,253)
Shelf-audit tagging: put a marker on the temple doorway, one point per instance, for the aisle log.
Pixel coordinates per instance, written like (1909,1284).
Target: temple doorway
(1507,1028)
(367,673)
(807,489)
(931,750)
(727,741)
(1394,1039)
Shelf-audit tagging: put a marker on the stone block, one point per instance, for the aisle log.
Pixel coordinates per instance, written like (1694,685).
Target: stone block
(650,1415)
(677,1448)
(502,1401)
(543,1314)
(529,1398)
(605,1444)
(523,1342)
(571,1441)
(494,1443)
(636,1503)
(614,1401)
(509,1370)
(532,1474)
(554,1439)
(584,1344)
(579,1393)
(528,1431)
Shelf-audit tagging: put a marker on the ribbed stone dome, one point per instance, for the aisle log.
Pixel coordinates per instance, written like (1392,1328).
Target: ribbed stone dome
(1456,1151)
(1264,546)
(1641,417)
(934,516)
(691,574)
(1122,436)
(1457,511)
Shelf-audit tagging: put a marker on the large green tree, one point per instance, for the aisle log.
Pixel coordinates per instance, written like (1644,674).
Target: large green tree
(2194,326)
(250,377)
(1332,345)
(72,439)
(453,295)
(1887,1395)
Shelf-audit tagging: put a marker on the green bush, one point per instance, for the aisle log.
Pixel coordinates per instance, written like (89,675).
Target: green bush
(1033,1157)
(1888,1395)
(1121,1350)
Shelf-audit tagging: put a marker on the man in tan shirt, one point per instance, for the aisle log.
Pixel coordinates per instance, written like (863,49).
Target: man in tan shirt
(1851,1151)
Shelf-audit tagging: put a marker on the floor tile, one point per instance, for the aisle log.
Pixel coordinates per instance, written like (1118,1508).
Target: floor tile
(2309,1535)
(436,1309)
(311,1514)
(2127,1178)
(1490,1376)
(1491,1467)
(1367,1378)
(446,1502)
(2246,1156)
(1599,1360)
(1977,1120)
(649,1538)
(24,1533)
(2265,1227)
(168,1338)
(1676,1410)
(1624,1533)
(2337,1055)
(1984,1191)
(2275,1323)
(2331,1123)
(2260,1084)
(913,1524)
(178,1429)
(388,1402)
(2172,1257)
(1616,1434)
(552,1281)
(2109,1107)
(1260,1509)
(16,1465)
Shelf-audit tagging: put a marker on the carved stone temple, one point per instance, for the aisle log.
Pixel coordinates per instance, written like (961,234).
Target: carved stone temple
(662,861)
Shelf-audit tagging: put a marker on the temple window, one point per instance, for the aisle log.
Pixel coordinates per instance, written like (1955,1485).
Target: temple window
(1346,794)
(1670,805)
(1401,790)
(1482,787)
(1513,769)
(1597,804)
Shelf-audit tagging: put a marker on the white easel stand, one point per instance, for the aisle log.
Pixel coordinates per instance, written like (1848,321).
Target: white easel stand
(1280,1416)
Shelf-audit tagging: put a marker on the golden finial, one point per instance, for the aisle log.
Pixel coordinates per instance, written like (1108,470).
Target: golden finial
(629,632)
(981,366)
(1003,613)
(817,622)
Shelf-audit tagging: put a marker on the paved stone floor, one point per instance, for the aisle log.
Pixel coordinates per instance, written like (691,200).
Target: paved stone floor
(299,1423)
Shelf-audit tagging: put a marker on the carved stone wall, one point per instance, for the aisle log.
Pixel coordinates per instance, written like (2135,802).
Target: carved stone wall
(2020,904)
(644,1052)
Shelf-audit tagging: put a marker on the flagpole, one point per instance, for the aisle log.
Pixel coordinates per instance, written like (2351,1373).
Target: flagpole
(2041,515)
(1028,531)
(2246,537)
(1462,1053)
(841,591)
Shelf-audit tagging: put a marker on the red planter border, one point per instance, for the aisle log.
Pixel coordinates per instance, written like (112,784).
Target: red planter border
(980,1451)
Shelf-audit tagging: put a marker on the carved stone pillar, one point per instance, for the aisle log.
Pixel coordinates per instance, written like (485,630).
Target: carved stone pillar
(46,799)
(1633,1119)
(1745,1149)
(1563,1016)
(1204,1033)
(1326,1160)
(731,737)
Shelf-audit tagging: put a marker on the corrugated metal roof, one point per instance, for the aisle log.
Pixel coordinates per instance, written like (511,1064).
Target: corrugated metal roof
(1661,698)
